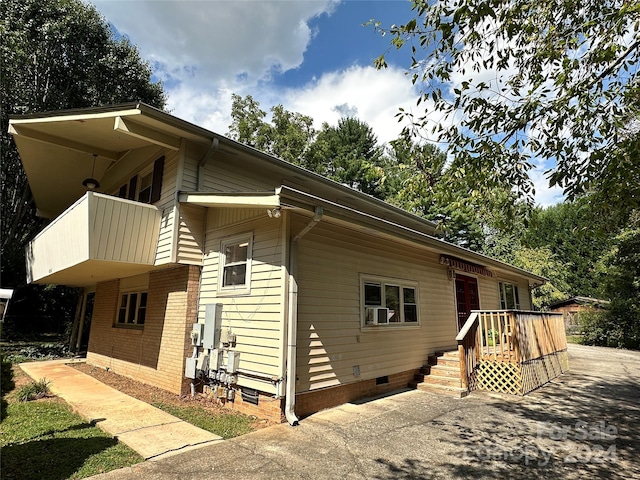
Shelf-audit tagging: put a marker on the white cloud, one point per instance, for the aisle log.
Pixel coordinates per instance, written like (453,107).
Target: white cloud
(376,96)
(209,42)
(206,50)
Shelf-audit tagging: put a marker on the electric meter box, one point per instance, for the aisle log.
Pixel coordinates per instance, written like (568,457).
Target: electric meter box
(212,326)
(233,360)
(196,334)
(215,359)
(190,368)
(203,361)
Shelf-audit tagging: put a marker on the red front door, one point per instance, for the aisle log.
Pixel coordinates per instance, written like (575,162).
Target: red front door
(467,297)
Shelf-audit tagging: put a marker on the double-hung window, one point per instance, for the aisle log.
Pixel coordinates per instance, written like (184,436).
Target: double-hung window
(145,187)
(132,310)
(509,298)
(235,264)
(387,301)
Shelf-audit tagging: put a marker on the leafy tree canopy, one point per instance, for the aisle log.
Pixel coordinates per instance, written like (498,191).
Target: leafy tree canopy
(56,54)
(506,83)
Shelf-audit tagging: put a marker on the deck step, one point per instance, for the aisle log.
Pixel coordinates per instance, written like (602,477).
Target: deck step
(439,380)
(449,354)
(445,371)
(444,361)
(443,390)
(441,375)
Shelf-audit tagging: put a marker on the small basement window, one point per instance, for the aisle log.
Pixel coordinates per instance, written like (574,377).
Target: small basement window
(132,311)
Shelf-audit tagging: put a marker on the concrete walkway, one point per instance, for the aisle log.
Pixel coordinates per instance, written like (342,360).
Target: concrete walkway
(151,432)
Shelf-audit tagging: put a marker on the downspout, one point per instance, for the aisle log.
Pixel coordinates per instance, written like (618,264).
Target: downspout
(215,143)
(292,327)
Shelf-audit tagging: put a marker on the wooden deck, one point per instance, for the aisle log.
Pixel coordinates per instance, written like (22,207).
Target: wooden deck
(511,351)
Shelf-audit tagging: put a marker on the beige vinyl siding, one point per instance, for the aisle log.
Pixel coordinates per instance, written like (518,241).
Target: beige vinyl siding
(257,317)
(225,173)
(489,293)
(167,205)
(192,155)
(222,217)
(330,339)
(190,234)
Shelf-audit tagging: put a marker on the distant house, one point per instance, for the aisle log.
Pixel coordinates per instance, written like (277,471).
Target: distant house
(572,307)
(213,266)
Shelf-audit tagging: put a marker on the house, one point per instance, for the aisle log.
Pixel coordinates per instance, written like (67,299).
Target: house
(211,265)
(572,307)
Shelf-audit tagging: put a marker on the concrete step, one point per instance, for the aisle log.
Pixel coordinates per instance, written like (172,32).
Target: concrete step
(456,392)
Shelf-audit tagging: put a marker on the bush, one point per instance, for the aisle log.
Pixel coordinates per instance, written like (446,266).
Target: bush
(6,384)
(606,329)
(34,390)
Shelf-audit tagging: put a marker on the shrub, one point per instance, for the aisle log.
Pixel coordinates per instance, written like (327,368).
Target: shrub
(6,384)
(34,390)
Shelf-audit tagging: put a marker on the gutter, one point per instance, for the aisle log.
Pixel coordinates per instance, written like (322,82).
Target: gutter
(292,320)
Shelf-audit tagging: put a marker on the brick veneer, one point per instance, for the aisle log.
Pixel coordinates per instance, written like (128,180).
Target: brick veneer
(154,355)
(314,401)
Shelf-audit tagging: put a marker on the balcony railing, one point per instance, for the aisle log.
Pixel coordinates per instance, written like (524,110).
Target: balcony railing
(98,238)
(511,351)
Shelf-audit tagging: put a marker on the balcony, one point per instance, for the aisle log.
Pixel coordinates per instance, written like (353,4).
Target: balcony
(98,238)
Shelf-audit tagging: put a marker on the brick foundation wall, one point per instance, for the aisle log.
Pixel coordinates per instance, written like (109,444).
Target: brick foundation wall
(314,401)
(155,354)
(268,408)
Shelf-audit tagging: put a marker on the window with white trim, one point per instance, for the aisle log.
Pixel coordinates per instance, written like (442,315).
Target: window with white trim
(235,263)
(509,298)
(132,310)
(387,301)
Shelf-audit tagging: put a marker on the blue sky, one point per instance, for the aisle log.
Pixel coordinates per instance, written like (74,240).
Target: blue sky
(311,56)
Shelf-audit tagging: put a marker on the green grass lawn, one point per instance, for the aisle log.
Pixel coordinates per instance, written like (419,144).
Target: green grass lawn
(227,425)
(45,440)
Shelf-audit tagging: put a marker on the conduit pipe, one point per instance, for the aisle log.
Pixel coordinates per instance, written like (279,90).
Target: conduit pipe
(292,317)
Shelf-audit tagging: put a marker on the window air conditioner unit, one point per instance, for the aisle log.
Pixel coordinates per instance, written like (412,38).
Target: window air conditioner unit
(377,316)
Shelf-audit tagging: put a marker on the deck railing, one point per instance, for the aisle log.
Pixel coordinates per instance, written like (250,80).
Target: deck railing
(511,351)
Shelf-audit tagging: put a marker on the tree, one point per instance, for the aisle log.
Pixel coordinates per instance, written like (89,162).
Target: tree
(543,262)
(288,136)
(505,84)
(576,236)
(416,181)
(55,54)
(349,154)
(619,325)
(248,125)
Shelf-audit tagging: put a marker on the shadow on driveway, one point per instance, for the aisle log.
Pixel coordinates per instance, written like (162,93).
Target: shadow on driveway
(584,424)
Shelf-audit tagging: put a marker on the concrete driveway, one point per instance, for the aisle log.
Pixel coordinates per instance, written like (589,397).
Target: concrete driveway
(585,424)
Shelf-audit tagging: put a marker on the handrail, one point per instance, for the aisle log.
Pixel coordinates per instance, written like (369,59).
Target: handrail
(467,326)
